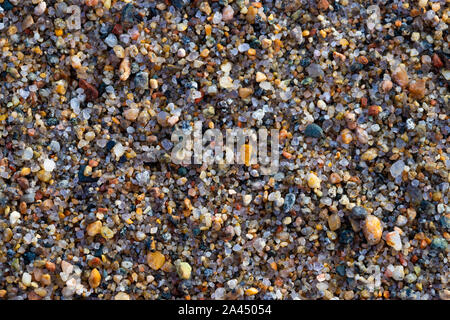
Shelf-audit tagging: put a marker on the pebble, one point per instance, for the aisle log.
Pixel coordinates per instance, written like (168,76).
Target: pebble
(40,8)
(131,114)
(400,76)
(94,228)
(397,168)
(362,135)
(27,22)
(313,131)
(183,269)
(260,77)
(386,86)
(359,212)
(398,273)
(245,92)
(141,80)
(122,296)
(26,279)
(393,240)
(90,91)
(370,154)
(14,218)
(251,291)
(124,69)
(155,260)
(227,13)
(49,165)
(372,229)
(313,181)
(439,243)
(346,136)
(226,82)
(417,89)
(334,222)
(94,278)
(247,199)
(111,40)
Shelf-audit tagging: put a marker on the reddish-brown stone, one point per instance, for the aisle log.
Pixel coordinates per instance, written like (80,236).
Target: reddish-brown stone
(23,183)
(374,110)
(89,90)
(437,62)
(323,4)
(117,30)
(418,89)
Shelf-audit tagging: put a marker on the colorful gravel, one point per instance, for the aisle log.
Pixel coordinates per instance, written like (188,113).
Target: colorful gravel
(92,207)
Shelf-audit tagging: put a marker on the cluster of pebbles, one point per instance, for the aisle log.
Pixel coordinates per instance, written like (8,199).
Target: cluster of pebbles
(92,206)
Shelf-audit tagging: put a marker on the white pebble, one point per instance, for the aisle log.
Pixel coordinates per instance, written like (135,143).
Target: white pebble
(14,218)
(49,165)
(26,279)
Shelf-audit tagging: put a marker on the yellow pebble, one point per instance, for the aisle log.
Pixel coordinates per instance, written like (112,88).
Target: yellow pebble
(58,32)
(204,53)
(155,260)
(95,278)
(251,291)
(208,29)
(37,50)
(313,181)
(372,229)
(246,152)
(370,154)
(346,136)
(106,232)
(343,42)
(60,89)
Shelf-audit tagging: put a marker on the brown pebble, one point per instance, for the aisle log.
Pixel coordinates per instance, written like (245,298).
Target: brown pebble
(363,60)
(417,89)
(245,92)
(94,228)
(251,14)
(89,90)
(91,3)
(437,62)
(374,110)
(400,76)
(50,266)
(334,222)
(95,262)
(117,30)
(386,86)
(350,119)
(323,5)
(47,204)
(335,178)
(23,183)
